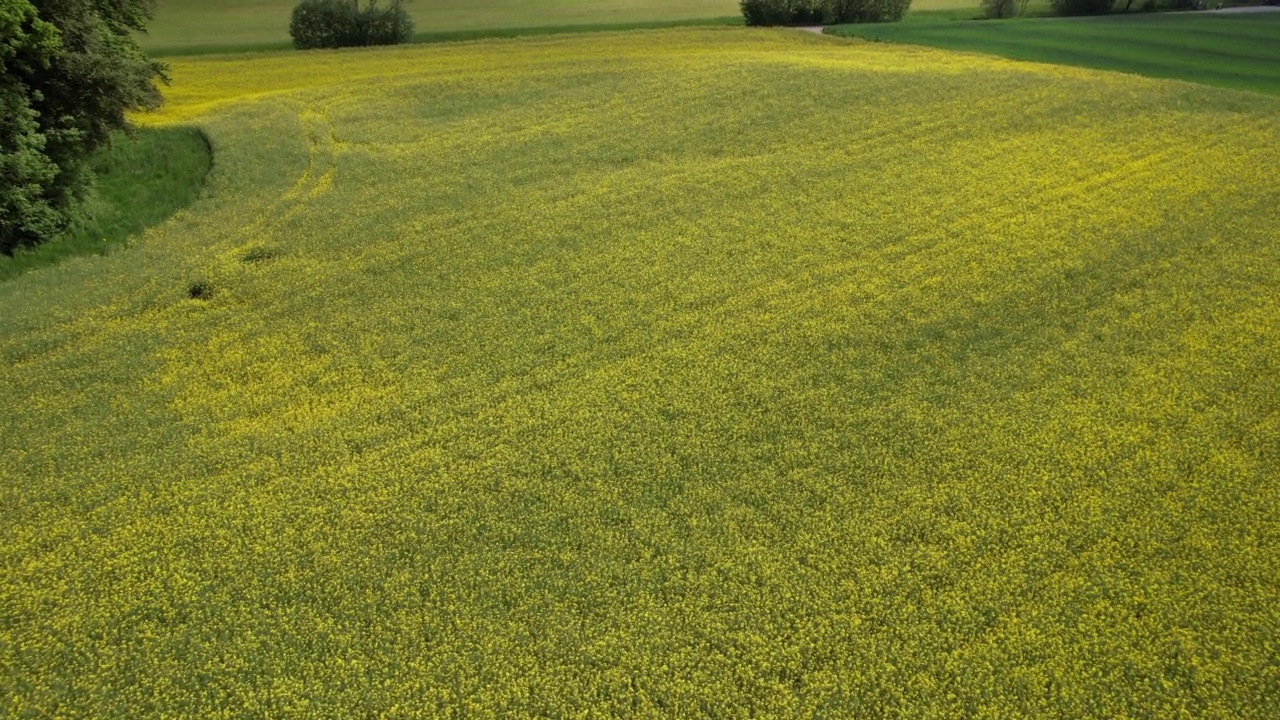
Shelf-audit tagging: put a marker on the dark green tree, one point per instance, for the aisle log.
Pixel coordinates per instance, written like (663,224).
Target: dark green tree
(27,46)
(818,12)
(1000,8)
(70,70)
(1080,7)
(347,23)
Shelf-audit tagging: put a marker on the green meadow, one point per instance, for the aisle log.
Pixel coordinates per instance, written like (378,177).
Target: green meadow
(200,25)
(1240,51)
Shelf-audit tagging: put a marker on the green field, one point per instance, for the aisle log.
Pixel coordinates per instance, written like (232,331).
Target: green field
(200,26)
(1233,50)
(684,373)
(186,25)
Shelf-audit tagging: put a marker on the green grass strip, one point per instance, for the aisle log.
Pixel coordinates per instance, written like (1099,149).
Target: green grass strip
(1234,51)
(141,180)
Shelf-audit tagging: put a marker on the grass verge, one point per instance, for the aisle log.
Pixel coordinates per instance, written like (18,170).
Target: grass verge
(1235,51)
(141,180)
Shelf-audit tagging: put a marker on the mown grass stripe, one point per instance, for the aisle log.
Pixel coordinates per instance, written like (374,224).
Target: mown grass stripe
(1231,51)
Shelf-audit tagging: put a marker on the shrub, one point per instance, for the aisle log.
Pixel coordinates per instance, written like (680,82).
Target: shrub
(872,10)
(782,12)
(386,26)
(345,23)
(999,8)
(1080,7)
(813,12)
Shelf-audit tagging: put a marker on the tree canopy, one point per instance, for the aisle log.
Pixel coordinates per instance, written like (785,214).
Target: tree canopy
(70,70)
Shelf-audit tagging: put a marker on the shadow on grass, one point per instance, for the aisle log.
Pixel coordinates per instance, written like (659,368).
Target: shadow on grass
(140,180)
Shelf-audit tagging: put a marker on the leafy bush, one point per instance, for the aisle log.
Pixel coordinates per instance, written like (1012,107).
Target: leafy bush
(344,23)
(1080,7)
(24,213)
(782,12)
(863,11)
(323,24)
(27,216)
(813,12)
(386,26)
(999,8)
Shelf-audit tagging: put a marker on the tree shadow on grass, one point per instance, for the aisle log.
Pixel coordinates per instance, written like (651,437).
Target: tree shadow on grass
(140,180)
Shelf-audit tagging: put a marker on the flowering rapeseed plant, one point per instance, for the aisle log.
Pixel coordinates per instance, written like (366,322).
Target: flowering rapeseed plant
(692,373)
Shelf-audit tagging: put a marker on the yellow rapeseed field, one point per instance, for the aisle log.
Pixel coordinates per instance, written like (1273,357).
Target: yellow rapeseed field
(702,373)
